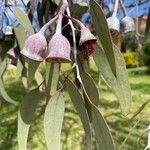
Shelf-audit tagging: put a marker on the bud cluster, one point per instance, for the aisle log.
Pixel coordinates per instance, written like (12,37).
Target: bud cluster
(58,49)
(116,26)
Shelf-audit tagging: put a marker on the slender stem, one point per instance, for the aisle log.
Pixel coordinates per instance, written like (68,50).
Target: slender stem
(60,16)
(74,20)
(75,57)
(43,29)
(116,8)
(124,9)
(74,44)
(59,24)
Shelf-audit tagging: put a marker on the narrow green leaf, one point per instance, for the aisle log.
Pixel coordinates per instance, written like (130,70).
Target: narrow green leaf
(28,105)
(53,119)
(140,109)
(52,77)
(102,133)
(119,85)
(78,8)
(19,69)
(23,130)
(90,88)
(3,65)
(4,93)
(57,2)
(23,19)
(32,68)
(79,105)
(101,27)
(38,77)
(20,35)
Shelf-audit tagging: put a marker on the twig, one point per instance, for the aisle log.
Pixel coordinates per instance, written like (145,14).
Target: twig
(75,58)
(124,9)
(115,8)
(43,29)
(121,147)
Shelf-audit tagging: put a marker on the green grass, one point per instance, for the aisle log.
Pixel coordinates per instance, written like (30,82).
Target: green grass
(72,133)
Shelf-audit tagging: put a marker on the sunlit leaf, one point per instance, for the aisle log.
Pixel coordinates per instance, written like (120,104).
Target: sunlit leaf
(23,130)
(20,35)
(119,85)
(57,2)
(23,19)
(4,93)
(79,105)
(102,133)
(38,77)
(90,87)
(140,109)
(32,68)
(102,31)
(52,76)
(53,119)
(19,69)
(3,65)
(28,105)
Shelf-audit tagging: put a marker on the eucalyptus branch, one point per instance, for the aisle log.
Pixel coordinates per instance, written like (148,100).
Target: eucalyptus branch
(44,28)
(75,47)
(74,20)
(124,8)
(75,58)
(115,8)
(60,16)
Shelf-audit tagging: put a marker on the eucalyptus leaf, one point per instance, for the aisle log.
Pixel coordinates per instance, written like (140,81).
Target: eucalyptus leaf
(52,77)
(101,27)
(53,119)
(102,134)
(119,85)
(57,2)
(28,105)
(19,69)
(78,8)
(23,19)
(38,77)
(32,68)
(3,65)
(23,130)
(4,93)
(140,109)
(79,105)
(90,87)
(20,35)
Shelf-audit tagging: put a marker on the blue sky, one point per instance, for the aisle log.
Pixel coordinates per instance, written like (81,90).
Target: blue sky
(143,9)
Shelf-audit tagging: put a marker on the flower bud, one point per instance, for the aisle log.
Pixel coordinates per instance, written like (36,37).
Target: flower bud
(34,47)
(87,42)
(114,27)
(127,25)
(11,53)
(58,49)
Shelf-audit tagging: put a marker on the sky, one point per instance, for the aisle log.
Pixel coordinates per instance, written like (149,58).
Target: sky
(142,9)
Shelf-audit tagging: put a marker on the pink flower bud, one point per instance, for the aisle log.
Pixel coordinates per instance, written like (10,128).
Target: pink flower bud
(34,47)
(127,24)
(58,49)
(87,42)
(114,27)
